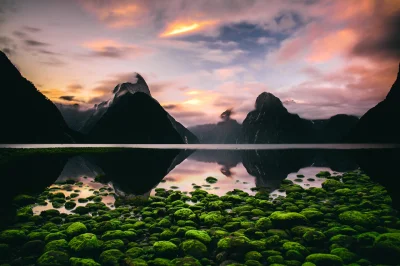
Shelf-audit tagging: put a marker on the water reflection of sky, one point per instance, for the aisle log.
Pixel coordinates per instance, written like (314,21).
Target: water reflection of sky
(194,172)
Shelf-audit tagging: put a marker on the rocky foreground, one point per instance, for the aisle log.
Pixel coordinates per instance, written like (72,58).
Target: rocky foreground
(349,221)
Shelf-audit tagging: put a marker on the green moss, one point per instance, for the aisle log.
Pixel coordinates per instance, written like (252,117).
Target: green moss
(135,252)
(54,236)
(320,259)
(86,243)
(57,245)
(75,229)
(345,255)
(199,235)
(358,218)
(69,205)
(332,185)
(32,248)
(161,262)
(111,257)
(82,262)
(263,224)
(194,248)
(253,255)
(214,217)
(165,249)
(113,244)
(186,261)
(211,180)
(12,236)
(314,237)
(53,258)
(287,220)
(184,214)
(323,174)
(297,247)
(118,234)
(387,246)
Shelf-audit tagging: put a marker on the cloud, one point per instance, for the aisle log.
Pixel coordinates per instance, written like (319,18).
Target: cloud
(382,40)
(31,29)
(227,73)
(53,61)
(8,46)
(20,34)
(67,98)
(35,43)
(74,87)
(169,106)
(113,49)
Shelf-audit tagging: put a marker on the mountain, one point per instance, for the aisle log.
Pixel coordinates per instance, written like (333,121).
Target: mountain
(27,116)
(270,122)
(74,115)
(336,129)
(225,132)
(381,123)
(132,115)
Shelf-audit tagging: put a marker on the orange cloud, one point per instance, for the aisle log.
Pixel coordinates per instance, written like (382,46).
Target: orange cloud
(179,27)
(114,49)
(333,44)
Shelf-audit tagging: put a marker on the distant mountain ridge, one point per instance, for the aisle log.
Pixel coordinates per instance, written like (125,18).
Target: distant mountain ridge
(26,115)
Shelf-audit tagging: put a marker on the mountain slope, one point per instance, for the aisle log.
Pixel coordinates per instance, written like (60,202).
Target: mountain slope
(336,129)
(26,115)
(381,123)
(133,116)
(270,122)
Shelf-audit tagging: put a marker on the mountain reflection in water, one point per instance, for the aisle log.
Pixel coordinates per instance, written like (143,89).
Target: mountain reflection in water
(140,171)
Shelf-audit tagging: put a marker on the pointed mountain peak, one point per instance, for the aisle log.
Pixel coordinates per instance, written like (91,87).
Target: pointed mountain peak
(11,71)
(267,100)
(137,84)
(394,93)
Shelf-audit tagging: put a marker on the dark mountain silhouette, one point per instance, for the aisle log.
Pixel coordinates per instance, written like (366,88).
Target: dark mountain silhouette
(381,123)
(270,122)
(225,132)
(27,116)
(336,129)
(133,116)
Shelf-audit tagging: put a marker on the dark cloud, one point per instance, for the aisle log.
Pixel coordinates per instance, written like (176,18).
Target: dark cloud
(382,40)
(67,98)
(8,46)
(52,61)
(19,34)
(35,43)
(170,106)
(117,52)
(42,51)
(31,29)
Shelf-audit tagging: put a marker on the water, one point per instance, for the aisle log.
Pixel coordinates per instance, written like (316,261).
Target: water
(123,174)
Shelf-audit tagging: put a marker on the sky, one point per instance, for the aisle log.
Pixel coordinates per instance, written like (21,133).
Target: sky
(200,58)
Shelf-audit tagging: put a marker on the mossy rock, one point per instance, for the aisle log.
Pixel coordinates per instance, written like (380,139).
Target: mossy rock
(332,185)
(211,180)
(297,247)
(54,236)
(194,248)
(161,262)
(111,257)
(113,244)
(86,243)
(34,247)
(346,255)
(135,252)
(314,237)
(287,220)
(199,235)
(234,244)
(53,258)
(358,218)
(320,259)
(387,247)
(323,174)
(69,205)
(263,224)
(186,261)
(253,255)
(118,234)
(57,245)
(12,236)
(82,262)
(214,217)
(75,229)
(165,249)
(184,214)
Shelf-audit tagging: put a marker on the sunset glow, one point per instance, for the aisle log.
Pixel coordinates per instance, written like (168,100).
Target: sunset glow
(178,28)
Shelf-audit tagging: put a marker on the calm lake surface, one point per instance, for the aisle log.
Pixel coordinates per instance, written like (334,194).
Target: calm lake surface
(97,182)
